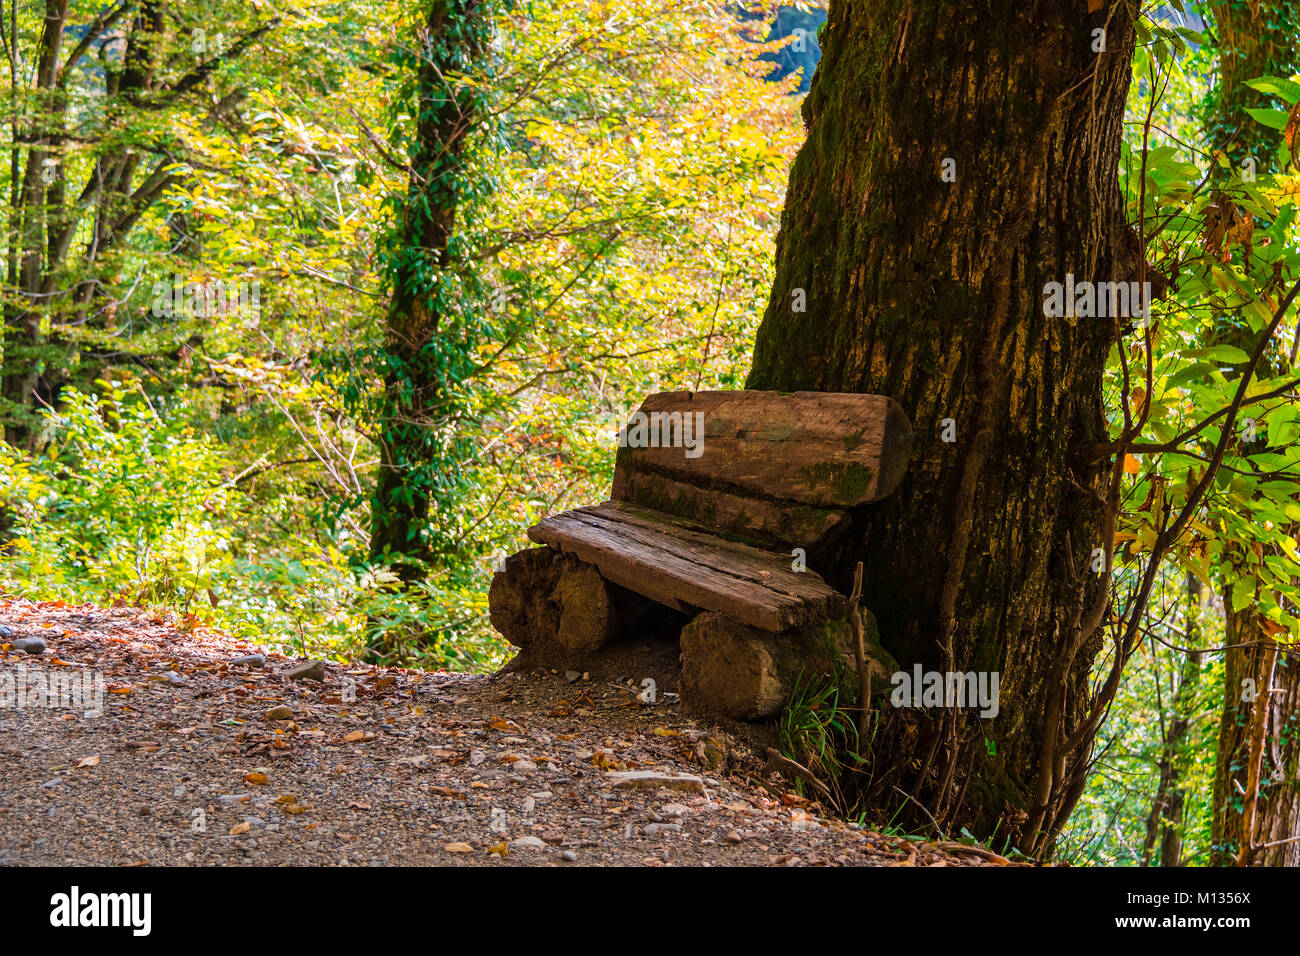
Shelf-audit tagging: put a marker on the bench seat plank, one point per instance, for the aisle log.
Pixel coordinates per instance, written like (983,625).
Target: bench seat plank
(684,568)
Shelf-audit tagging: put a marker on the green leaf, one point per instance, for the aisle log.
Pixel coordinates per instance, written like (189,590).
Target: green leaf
(1242,597)
(1273,119)
(1228,354)
(1288,90)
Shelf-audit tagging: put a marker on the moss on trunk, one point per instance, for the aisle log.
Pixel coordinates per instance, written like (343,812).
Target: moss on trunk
(931,292)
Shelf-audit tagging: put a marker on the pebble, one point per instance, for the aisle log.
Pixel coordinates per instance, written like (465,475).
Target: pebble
(252,660)
(569,856)
(310,670)
(571,676)
(282,712)
(32,645)
(734,837)
(650,778)
(6,632)
(528,843)
(652,829)
(51,783)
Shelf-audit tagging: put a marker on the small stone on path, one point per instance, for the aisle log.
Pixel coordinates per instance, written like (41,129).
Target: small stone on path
(310,670)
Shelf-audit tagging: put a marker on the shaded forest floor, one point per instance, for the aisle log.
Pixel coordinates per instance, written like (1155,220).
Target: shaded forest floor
(199,759)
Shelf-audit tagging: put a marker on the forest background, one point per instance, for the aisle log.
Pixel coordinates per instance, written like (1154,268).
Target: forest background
(199,251)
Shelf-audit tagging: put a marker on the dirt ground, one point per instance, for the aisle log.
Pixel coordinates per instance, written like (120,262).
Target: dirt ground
(186,756)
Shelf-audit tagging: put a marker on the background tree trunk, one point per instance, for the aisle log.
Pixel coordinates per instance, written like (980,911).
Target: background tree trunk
(931,292)
(417,419)
(1254,40)
(1165,822)
(1269,706)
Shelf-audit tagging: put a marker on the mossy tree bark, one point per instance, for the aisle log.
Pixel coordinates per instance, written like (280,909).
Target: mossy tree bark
(931,292)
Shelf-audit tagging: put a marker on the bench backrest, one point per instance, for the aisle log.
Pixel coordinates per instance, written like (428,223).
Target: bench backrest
(762,464)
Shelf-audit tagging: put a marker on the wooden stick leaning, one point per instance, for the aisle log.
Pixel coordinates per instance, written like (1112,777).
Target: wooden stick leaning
(860,654)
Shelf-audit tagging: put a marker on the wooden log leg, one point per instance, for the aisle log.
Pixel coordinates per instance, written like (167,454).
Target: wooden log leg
(747,673)
(556,609)
(730,669)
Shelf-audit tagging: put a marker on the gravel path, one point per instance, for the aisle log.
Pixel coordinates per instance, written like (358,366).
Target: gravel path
(197,758)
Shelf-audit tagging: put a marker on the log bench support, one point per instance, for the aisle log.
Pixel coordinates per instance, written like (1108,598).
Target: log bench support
(706,541)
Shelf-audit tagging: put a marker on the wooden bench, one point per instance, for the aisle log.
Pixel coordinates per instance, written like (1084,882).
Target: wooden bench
(722,504)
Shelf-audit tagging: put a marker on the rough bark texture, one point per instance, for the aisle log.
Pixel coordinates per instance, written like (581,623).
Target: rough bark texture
(931,292)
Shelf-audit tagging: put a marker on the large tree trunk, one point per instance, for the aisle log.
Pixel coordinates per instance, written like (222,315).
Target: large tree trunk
(932,292)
